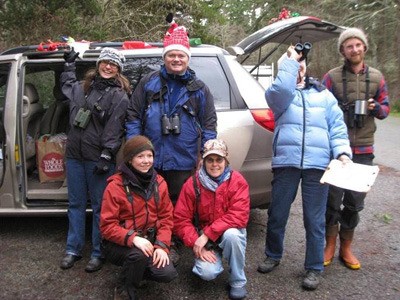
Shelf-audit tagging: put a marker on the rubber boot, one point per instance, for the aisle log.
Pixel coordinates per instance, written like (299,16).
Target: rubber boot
(330,246)
(345,254)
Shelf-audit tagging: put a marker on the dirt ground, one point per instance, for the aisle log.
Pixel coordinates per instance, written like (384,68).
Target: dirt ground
(31,249)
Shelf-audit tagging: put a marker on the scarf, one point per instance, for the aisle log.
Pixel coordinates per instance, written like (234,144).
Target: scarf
(212,183)
(100,83)
(141,183)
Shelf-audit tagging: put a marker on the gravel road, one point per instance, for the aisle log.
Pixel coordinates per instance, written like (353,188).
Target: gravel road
(31,249)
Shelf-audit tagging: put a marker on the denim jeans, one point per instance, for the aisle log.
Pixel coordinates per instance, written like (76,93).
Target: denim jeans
(83,185)
(233,245)
(314,197)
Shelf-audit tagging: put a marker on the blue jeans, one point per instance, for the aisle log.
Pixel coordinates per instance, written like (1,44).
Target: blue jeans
(233,245)
(314,196)
(83,185)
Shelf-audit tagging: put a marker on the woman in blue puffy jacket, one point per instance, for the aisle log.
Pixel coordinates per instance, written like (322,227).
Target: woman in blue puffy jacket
(309,132)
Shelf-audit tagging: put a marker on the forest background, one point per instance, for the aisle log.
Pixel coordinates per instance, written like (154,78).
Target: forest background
(220,22)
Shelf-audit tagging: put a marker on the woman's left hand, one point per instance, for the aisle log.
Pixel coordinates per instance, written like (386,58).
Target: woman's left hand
(160,258)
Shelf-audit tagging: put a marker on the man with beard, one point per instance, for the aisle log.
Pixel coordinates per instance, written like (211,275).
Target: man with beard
(362,94)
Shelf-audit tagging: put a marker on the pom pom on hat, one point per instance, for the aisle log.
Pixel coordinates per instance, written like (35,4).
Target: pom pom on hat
(176,38)
(136,145)
(352,33)
(113,55)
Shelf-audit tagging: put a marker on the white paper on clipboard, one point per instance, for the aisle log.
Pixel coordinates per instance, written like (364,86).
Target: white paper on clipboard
(350,176)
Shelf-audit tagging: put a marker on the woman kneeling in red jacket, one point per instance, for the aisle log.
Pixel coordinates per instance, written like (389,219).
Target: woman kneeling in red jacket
(217,199)
(137,219)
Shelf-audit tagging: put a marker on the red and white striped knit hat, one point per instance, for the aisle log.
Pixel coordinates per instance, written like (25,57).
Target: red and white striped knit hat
(176,38)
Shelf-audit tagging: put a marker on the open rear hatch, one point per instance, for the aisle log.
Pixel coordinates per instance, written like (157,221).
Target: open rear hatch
(288,31)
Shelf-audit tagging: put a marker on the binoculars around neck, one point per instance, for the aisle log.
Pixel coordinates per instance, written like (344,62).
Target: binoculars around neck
(303,49)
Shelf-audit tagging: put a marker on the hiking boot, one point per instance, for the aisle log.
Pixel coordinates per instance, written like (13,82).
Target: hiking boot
(267,265)
(174,255)
(237,292)
(311,279)
(347,256)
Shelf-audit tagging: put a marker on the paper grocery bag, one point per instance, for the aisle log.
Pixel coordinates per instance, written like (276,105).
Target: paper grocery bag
(50,161)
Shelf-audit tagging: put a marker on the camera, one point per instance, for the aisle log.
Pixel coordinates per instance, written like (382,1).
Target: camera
(170,125)
(303,49)
(82,118)
(151,235)
(211,245)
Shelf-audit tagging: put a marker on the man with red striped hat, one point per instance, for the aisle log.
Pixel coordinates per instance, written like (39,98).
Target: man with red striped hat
(175,110)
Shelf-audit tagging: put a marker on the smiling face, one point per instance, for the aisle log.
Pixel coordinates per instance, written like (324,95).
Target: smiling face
(176,62)
(353,50)
(143,161)
(215,165)
(108,69)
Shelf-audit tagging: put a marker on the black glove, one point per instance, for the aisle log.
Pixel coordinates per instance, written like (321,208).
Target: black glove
(103,165)
(70,56)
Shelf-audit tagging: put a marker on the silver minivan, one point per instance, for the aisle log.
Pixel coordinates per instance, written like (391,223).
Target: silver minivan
(32,107)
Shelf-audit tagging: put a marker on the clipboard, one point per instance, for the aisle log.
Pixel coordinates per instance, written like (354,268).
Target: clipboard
(350,176)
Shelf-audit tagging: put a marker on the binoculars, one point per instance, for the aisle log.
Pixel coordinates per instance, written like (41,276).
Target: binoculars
(170,125)
(82,118)
(303,49)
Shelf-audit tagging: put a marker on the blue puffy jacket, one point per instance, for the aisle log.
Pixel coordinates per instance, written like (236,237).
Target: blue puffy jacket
(309,126)
(191,101)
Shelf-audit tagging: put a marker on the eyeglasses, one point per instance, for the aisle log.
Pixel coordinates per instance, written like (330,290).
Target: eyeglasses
(110,63)
(211,160)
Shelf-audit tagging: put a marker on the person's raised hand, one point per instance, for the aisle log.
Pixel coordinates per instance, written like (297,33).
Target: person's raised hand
(70,56)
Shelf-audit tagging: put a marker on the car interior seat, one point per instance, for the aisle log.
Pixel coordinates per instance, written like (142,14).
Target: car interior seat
(55,120)
(32,112)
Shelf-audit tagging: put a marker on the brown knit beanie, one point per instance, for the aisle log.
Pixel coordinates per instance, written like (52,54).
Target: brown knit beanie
(352,33)
(136,145)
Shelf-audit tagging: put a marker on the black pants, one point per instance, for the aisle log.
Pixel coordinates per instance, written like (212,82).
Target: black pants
(344,205)
(136,267)
(175,181)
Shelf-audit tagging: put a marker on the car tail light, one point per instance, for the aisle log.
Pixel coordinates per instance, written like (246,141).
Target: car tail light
(264,117)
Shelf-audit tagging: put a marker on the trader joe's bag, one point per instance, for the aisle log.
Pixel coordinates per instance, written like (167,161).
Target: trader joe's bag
(50,158)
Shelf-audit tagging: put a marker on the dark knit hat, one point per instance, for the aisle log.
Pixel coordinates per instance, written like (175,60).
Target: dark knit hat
(352,33)
(136,145)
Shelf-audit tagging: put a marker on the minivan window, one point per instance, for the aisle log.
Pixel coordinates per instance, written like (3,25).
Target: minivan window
(208,69)
(4,76)
(4,71)
(44,83)
(250,89)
